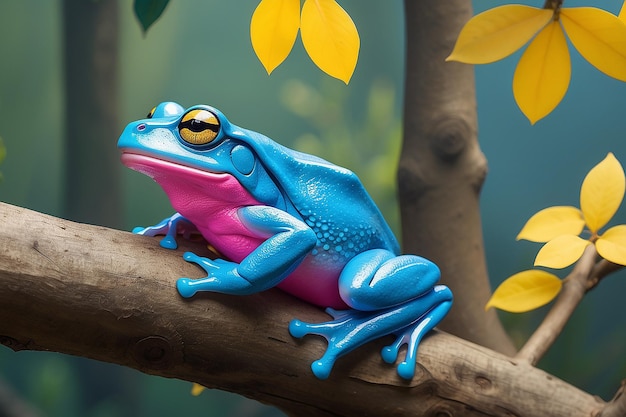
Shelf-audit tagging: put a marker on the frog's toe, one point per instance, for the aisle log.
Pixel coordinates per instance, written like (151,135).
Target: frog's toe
(389,354)
(322,368)
(184,288)
(406,369)
(168,242)
(413,335)
(138,230)
(328,329)
(192,257)
(298,328)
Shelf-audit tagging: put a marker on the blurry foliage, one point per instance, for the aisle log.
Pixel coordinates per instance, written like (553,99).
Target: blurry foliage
(368,145)
(52,382)
(148,11)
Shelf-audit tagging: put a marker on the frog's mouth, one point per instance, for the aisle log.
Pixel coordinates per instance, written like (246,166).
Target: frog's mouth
(159,169)
(184,184)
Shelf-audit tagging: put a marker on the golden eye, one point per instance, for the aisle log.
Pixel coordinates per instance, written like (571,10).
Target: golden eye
(149,116)
(199,127)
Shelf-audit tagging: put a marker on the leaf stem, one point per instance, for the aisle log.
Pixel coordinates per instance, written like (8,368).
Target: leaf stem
(617,406)
(554,5)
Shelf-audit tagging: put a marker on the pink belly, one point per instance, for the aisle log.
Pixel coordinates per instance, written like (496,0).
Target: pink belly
(314,285)
(210,201)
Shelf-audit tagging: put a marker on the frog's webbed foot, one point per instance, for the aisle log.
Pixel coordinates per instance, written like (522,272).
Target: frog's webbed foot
(351,329)
(340,333)
(412,335)
(169,227)
(222,276)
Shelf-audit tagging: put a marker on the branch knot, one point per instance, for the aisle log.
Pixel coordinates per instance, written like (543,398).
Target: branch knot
(154,352)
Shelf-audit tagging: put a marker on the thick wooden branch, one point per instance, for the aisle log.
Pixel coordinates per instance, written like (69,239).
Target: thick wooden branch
(109,295)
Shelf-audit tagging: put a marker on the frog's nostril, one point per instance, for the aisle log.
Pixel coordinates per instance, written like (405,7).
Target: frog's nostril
(141,127)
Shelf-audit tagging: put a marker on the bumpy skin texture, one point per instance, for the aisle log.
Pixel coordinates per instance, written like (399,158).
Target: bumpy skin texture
(286,219)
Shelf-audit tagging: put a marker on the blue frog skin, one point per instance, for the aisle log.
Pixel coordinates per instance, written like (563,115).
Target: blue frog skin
(281,218)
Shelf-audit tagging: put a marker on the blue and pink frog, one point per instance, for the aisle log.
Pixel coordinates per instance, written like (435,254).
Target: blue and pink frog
(285,219)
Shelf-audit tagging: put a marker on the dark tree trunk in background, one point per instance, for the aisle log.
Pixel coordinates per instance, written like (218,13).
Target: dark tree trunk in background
(92,193)
(442,168)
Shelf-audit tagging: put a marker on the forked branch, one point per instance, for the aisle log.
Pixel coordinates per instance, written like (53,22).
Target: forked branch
(586,275)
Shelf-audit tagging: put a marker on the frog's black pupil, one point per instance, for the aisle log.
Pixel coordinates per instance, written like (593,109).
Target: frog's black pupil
(196,125)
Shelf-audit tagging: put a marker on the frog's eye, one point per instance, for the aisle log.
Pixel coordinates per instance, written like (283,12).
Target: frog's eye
(199,127)
(149,116)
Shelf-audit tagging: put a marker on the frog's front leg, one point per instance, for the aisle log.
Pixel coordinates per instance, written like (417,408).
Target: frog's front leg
(390,294)
(170,227)
(288,242)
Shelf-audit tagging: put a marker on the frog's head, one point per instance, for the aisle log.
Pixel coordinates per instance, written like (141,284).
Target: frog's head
(200,150)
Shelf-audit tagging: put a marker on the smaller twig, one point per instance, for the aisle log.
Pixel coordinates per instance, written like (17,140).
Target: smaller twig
(553,4)
(574,288)
(617,406)
(599,271)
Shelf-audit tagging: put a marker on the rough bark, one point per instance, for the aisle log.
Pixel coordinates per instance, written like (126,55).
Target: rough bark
(109,295)
(442,168)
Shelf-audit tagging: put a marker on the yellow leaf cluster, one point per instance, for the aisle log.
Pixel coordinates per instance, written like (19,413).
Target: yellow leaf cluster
(328,34)
(543,73)
(601,194)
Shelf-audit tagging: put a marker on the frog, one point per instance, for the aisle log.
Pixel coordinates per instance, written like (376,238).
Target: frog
(286,219)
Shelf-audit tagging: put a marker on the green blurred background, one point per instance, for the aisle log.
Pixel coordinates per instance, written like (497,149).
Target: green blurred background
(199,52)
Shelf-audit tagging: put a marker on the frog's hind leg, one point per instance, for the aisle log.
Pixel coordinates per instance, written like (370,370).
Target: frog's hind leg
(412,335)
(377,279)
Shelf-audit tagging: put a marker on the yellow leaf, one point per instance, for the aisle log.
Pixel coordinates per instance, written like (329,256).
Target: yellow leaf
(599,36)
(622,13)
(612,245)
(196,389)
(273,30)
(525,291)
(602,192)
(497,33)
(552,222)
(543,73)
(330,38)
(561,251)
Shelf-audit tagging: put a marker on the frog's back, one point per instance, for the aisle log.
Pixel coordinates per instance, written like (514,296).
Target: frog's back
(329,198)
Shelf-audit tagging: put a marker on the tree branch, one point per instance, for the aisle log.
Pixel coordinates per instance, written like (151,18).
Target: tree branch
(574,288)
(617,406)
(585,276)
(109,295)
